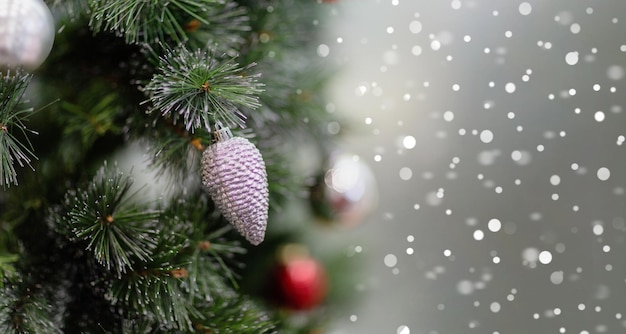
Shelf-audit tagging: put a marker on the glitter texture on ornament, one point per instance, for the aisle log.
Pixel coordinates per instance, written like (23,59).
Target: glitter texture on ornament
(234,173)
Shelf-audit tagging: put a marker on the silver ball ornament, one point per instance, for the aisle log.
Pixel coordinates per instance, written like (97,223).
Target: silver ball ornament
(346,193)
(233,171)
(26,33)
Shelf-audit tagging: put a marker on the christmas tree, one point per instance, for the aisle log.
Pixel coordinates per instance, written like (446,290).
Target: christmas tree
(218,99)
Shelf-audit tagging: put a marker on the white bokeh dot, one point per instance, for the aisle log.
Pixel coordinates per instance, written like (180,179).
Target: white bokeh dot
(495,307)
(599,116)
(435,45)
(465,287)
(571,58)
(448,116)
(525,8)
(415,26)
(406,173)
(598,229)
(545,257)
(556,277)
(509,87)
(530,255)
(603,173)
(323,50)
(486,136)
(390,260)
(403,330)
(615,72)
(409,142)
(494,225)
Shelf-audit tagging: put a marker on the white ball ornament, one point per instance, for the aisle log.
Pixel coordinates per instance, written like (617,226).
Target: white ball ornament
(26,33)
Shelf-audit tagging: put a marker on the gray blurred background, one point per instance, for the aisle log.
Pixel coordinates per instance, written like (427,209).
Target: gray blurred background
(496,131)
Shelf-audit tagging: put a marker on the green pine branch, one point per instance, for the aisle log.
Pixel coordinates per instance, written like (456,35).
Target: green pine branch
(198,89)
(154,293)
(210,249)
(13,114)
(143,21)
(93,115)
(227,29)
(25,309)
(7,267)
(116,233)
(159,21)
(174,151)
(234,315)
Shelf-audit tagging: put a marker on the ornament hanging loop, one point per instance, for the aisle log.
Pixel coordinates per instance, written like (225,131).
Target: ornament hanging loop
(221,133)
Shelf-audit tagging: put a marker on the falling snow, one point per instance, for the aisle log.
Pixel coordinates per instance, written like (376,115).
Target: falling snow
(496,132)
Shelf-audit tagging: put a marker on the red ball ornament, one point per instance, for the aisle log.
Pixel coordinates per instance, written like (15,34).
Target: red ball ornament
(301,283)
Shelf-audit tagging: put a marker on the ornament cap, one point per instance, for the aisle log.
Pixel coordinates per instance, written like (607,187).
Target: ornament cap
(221,133)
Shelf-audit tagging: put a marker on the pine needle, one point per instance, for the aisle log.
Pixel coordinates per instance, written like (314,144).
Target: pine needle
(12,118)
(155,21)
(117,236)
(200,89)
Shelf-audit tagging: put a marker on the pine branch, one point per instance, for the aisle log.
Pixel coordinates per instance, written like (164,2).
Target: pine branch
(154,293)
(210,254)
(175,152)
(71,8)
(279,26)
(226,31)
(12,118)
(186,265)
(201,89)
(116,235)
(6,266)
(237,315)
(211,264)
(148,21)
(24,309)
(93,115)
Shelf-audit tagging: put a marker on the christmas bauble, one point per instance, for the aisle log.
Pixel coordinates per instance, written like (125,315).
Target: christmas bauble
(26,33)
(300,282)
(234,173)
(345,192)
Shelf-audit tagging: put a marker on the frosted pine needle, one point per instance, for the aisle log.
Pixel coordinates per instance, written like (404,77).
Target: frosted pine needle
(198,89)
(145,21)
(12,116)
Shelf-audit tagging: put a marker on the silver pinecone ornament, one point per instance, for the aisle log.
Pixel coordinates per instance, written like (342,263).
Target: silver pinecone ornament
(234,173)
